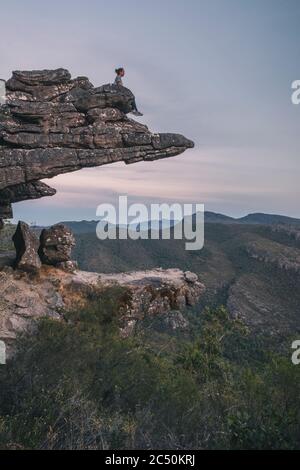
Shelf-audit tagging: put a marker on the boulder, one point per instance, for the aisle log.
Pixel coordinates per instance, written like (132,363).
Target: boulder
(56,245)
(26,244)
(107,96)
(190,277)
(68,266)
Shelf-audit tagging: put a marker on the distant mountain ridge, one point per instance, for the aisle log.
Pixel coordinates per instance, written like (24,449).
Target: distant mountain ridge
(255,218)
(86,226)
(268,219)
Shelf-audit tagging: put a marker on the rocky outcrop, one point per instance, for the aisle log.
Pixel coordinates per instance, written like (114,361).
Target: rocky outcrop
(21,192)
(53,292)
(270,252)
(26,245)
(256,302)
(56,245)
(53,124)
(47,283)
(290,231)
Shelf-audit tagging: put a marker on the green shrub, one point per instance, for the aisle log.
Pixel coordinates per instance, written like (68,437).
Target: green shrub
(76,384)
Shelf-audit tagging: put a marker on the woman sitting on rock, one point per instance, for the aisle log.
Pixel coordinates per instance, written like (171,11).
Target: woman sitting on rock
(118,82)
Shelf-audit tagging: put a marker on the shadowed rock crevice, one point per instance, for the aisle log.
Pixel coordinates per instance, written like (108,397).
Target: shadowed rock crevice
(52,124)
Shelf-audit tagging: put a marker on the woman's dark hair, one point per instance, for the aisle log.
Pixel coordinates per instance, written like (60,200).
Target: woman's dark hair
(119,70)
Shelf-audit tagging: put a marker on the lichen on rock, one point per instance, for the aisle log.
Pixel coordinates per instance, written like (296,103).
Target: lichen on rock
(56,245)
(53,292)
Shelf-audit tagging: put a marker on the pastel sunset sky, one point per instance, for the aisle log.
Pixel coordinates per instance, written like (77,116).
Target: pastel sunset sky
(217,71)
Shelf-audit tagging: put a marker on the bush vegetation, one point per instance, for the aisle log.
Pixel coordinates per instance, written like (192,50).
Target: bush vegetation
(76,384)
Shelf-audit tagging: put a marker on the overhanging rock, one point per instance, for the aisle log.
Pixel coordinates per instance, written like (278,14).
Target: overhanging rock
(53,124)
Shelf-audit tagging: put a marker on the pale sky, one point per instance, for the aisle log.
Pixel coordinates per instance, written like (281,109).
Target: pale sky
(217,71)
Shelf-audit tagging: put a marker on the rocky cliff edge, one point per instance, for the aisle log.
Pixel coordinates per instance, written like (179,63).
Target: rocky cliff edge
(53,124)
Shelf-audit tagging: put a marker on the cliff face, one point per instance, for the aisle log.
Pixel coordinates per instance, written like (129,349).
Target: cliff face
(52,292)
(53,124)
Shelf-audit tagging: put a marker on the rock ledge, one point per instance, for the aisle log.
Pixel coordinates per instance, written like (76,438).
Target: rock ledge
(53,124)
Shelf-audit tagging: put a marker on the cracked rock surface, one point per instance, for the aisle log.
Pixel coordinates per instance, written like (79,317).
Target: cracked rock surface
(26,297)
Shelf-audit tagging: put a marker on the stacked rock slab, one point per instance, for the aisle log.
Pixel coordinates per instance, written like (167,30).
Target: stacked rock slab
(53,124)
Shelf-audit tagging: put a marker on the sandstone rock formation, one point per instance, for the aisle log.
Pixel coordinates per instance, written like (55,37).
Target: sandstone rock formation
(52,124)
(56,245)
(54,291)
(26,244)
